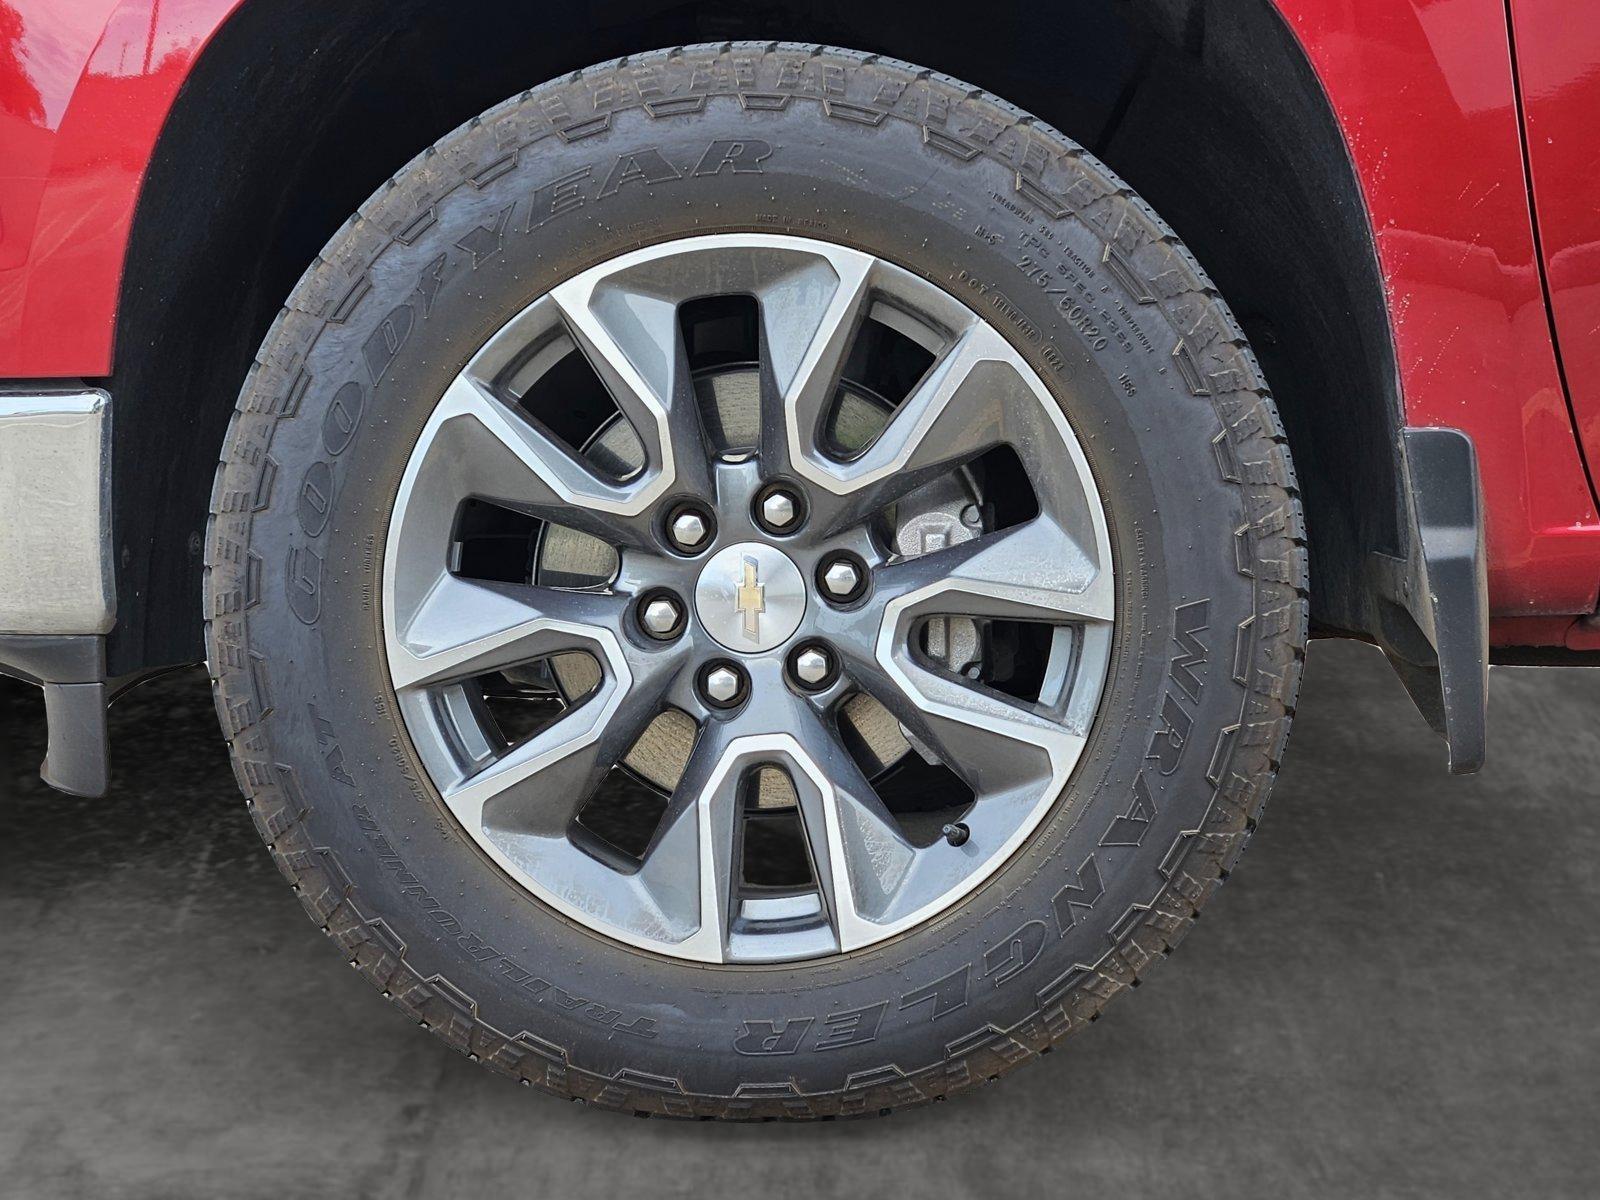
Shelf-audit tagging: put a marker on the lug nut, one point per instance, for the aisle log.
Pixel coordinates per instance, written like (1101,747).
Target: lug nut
(778,510)
(812,666)
(688,530)
(841,579)
(661,617)
(721,685)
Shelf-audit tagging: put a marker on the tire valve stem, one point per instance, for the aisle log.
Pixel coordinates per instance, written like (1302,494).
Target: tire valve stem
(957,834)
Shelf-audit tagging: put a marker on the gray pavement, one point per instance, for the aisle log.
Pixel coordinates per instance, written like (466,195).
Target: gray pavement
(1395,995)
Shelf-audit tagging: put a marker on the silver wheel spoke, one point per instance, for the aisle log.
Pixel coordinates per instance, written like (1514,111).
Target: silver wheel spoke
(464,627)
(993,742)
(996,743)
(858,853)
(477,446)
(734,669)
(630,337)
(691,858)
(539,786)
(964,406)
(809,317)
(1031,572)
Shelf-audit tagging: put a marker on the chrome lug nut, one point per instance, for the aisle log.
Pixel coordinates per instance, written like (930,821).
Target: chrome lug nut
(688,530)
(721,685)
(841,579)
(661,617)
(812,666)
(778,510)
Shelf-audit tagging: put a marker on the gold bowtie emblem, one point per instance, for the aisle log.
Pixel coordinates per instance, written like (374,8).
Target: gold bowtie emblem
(751,599)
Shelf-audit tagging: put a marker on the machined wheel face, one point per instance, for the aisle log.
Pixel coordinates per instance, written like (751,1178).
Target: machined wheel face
(748,598)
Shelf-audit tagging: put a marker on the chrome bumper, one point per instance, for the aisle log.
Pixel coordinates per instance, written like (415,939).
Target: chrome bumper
(55,512)
(57,592)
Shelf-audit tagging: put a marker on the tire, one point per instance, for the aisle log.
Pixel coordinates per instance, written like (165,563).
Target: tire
(952,186)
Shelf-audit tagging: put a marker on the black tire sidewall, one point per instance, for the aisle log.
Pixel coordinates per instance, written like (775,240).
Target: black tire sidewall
(434,294)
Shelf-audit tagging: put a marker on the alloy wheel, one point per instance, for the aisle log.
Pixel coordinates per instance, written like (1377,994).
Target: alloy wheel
(764,542)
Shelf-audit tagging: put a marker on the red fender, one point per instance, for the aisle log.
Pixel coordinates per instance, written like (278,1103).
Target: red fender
(1424,93)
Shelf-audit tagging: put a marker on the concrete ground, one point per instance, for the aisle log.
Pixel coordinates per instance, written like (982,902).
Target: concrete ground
(1394,996)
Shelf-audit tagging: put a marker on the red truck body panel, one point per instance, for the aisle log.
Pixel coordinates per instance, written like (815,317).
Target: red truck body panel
(85,86)
(1425,93)
(1558,60)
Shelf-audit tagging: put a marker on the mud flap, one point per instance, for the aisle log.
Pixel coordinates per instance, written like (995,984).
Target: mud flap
(1435,615)
(71,670)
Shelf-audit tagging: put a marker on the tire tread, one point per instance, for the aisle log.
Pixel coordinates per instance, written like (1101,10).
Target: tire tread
(1198,863)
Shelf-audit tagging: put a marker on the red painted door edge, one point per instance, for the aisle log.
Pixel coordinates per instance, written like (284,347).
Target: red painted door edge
(1558,67)
(1553,195)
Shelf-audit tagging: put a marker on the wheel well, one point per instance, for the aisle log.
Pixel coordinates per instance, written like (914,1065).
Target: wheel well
(299,109)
